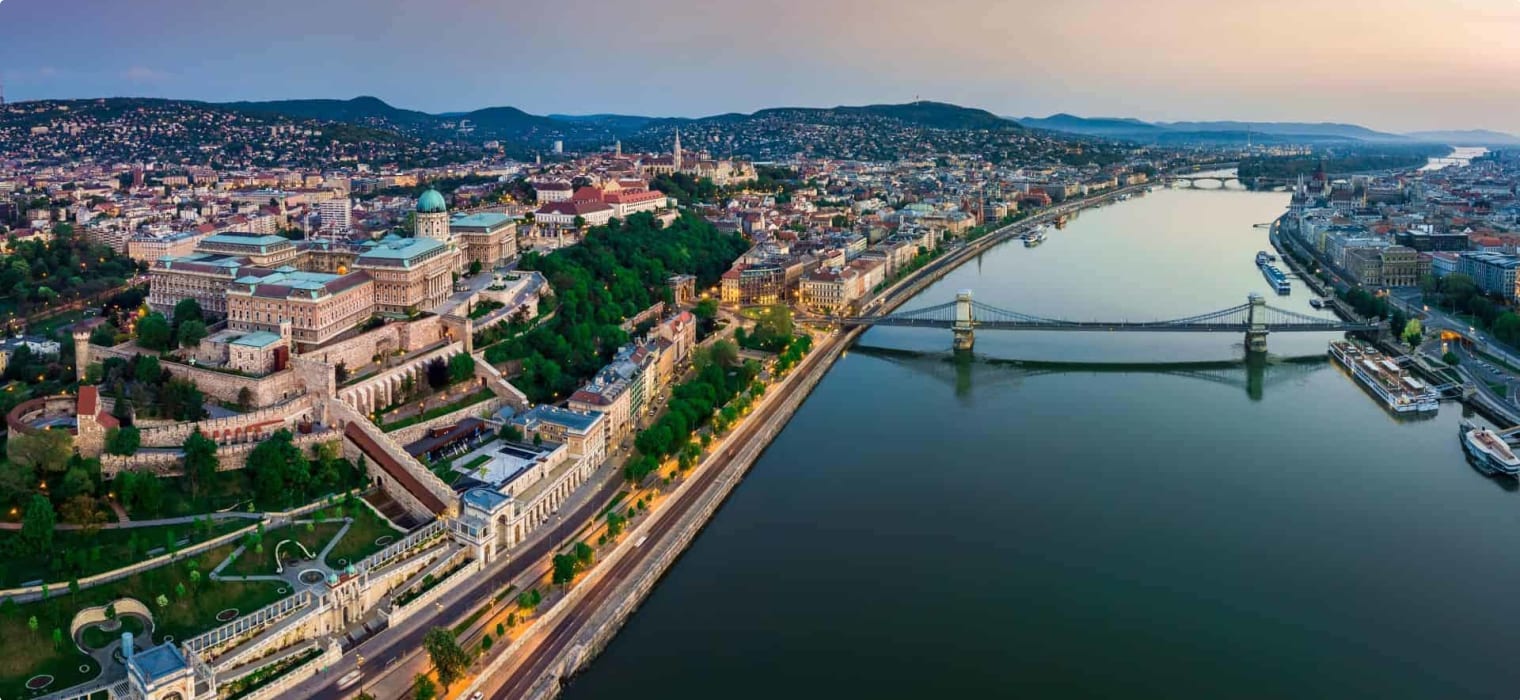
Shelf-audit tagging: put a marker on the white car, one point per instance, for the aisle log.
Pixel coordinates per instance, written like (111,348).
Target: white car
(478,696)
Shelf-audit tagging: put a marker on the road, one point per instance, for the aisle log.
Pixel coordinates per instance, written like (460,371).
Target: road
(400,649)
(743,443)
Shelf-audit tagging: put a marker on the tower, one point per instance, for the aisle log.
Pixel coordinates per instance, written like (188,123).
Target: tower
(676,160)
(432,216)
(81,352)
(617,149)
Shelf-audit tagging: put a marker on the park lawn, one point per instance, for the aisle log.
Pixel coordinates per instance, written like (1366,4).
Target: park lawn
(478,397)
(103,551)
(251,563)
(182,618)
(97,638)
(359,541)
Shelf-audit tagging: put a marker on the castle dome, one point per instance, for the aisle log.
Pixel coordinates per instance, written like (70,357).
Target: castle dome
(431,202)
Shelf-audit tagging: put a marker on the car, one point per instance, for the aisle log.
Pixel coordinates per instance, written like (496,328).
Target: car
(478,696)
(349,679)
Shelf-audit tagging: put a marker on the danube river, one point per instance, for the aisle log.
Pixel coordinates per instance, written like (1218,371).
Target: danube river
(930,528)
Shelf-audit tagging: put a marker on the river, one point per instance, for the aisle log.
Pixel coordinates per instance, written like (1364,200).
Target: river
(932,528)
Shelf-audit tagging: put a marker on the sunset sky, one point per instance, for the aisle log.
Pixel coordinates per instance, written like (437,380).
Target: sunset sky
(1388,64)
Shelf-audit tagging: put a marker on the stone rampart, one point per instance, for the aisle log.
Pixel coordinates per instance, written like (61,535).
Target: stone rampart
(170,461)
(413,433)
(248,427)
(222,386)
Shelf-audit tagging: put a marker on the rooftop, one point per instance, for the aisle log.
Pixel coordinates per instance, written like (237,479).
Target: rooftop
(397,251)
(257,339)
(158,662)
(486,220)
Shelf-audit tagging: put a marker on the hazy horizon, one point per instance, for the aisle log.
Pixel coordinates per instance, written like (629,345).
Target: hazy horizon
(1394,66)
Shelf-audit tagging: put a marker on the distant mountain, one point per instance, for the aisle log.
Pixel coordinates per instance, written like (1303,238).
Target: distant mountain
(1212,132)
(1323,129)
(1467,137)
(371,111)
(612,122)
(1092,126)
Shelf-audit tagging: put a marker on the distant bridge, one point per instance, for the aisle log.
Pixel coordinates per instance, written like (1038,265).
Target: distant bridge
(1254,319)
(1186,181)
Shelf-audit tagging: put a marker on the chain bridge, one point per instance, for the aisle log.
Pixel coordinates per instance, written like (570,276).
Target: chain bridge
(1254,319)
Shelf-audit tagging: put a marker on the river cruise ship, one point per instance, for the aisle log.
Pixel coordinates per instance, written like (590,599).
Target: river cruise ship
(1400,391)
(1275,277)
(1034,238)
(1488,449)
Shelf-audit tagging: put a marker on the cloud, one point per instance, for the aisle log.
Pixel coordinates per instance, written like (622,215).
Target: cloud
(142,74)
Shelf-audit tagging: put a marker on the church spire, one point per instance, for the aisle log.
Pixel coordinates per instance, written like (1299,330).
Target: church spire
(676,161)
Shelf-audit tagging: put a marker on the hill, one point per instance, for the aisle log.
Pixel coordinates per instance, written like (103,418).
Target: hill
(1467,137)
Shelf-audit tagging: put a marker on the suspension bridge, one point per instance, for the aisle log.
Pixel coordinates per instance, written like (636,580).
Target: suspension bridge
(1254,319)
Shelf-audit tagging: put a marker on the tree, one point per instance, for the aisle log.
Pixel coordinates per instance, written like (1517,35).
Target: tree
(191,333)
(706,309)
(123,441)
(511,433)
(31,624)
(244,399)
(279,470)
(475,267)
(448,659)
(153,332)
(461,368)
(162,601)
(424,688)
(200,461)
(37,525)
(615,523)
(437,373)
(1414,332)
(188,309)
(45,451)
(485,643)
(565,568)
(584,553)
(1451,358)
(148,370)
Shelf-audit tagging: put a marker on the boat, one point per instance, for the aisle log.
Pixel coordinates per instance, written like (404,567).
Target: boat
(1488,449)
(1034,238)
(1262,258)
(1399,391)
(1275,277)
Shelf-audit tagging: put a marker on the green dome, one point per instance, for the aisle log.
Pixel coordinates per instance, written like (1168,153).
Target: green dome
(431,202)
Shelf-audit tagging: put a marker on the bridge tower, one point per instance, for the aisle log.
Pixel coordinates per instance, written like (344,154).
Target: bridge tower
(1256,324)
(965,322)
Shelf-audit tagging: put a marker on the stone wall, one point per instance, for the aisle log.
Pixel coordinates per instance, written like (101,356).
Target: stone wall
(171,462)
(247,427)
(266,391)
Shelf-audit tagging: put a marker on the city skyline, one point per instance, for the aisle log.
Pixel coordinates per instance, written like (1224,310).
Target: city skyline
(1174,60)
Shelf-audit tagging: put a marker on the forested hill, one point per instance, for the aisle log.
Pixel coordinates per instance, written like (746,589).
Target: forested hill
(616,272)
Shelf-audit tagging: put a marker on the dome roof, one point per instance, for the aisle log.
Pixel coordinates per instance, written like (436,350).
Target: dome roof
(431,202)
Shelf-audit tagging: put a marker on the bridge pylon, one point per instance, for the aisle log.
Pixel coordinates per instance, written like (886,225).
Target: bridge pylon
(965,322)
(1256,324)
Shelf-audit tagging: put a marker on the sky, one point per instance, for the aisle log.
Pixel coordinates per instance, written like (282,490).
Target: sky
(1396,65)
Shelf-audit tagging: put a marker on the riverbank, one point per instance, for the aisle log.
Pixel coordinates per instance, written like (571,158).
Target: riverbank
(591,614)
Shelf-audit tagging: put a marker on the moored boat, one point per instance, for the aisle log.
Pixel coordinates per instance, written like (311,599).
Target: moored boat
(1400,392)
(1489,449)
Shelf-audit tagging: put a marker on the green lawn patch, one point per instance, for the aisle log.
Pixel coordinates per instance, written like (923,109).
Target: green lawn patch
(252,563)
(95,637)
(76,554)
(359,542)
(181,616)
(478,397)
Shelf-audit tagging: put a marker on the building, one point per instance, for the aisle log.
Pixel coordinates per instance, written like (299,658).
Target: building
(831,290)
(608,393)
(1494,273)
(489,238)
(432,216)
(565,214)
(336,214)
(583,432)
(260,250)
(410,274)
(258,353)
(318,306)
(199,276)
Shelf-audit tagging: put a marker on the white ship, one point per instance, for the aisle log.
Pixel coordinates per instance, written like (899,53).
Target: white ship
(1489,449)
(1400,392)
